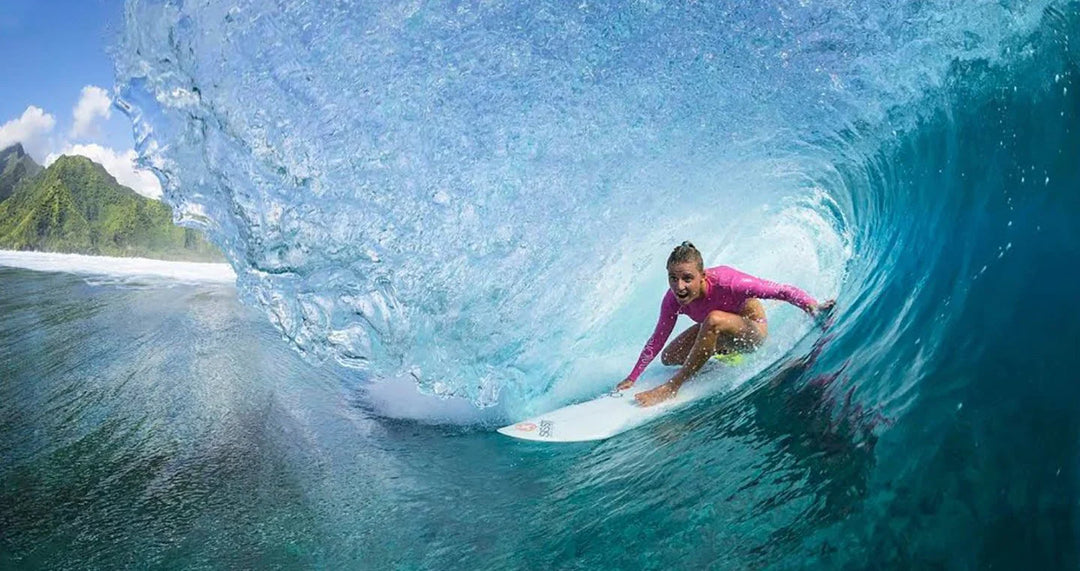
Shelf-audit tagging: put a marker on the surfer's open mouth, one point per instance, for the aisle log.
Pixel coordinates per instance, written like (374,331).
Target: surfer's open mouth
(682,296)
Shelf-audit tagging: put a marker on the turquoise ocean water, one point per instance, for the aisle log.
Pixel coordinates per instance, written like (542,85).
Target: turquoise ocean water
(445,217)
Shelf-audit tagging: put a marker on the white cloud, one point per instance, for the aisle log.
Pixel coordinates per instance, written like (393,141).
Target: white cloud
(31,129)
(119,164)
(34,130)
(93,103)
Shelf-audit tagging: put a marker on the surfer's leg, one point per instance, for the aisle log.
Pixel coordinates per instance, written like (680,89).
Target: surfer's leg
(716,324)
(750,336)
(676,351)
(746,340)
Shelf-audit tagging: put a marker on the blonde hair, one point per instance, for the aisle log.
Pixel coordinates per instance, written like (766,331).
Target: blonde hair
(686,252)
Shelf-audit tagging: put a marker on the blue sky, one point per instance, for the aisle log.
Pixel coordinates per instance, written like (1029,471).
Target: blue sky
(54,49)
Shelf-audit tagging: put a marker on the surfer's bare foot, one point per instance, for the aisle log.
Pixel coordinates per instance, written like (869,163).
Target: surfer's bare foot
(657,395)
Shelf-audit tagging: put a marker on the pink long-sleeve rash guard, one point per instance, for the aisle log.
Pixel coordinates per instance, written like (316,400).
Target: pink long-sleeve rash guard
(728,289)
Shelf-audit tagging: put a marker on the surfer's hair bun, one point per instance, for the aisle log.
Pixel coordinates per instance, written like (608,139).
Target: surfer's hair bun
(686,252)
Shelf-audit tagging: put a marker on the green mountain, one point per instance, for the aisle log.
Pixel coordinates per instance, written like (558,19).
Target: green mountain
(15,166)
(75,206)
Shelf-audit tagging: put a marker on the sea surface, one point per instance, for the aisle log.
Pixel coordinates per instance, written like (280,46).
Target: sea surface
(446,217)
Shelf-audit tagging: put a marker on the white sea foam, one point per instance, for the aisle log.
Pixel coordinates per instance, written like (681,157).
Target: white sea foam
(118,267)
(399,398)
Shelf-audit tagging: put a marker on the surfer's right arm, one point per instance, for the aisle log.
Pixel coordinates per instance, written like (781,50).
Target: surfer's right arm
(669,314)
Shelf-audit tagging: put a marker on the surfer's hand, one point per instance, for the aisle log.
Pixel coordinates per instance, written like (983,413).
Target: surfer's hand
(657,395)
(823,312)
(625,384)
(823,308)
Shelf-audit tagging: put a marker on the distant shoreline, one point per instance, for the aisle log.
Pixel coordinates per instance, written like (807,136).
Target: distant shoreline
(114,266)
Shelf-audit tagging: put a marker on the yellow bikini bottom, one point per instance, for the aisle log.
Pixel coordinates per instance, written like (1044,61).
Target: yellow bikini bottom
(730,358)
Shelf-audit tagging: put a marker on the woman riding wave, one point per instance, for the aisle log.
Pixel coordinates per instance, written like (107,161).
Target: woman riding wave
(730,318)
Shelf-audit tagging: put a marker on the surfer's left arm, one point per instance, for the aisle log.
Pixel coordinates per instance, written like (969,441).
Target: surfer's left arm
(751,286)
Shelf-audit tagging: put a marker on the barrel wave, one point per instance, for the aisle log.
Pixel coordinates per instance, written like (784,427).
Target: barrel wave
(475,199)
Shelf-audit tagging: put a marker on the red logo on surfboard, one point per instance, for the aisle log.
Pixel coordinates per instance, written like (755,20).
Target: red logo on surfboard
(525,426)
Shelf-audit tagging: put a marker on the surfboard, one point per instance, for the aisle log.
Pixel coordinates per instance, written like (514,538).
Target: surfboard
(609,414)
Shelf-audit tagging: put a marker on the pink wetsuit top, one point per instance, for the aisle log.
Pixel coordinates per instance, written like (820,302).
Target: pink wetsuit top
(727,290)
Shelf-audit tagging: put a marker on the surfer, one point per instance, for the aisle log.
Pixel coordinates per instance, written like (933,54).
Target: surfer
(730,318)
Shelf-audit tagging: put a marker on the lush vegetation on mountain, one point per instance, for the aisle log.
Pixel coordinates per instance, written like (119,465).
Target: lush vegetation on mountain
(15,166)
(75,206)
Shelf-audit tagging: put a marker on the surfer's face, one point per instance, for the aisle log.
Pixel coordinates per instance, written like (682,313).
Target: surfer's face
(686,281)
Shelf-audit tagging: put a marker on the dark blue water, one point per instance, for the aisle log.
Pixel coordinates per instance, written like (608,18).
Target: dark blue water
(919,162)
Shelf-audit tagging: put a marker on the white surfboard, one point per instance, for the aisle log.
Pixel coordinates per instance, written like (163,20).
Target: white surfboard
(609,414)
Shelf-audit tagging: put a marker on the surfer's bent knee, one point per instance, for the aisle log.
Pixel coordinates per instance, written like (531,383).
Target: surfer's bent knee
(752,336)
(723,322)
(756,326)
